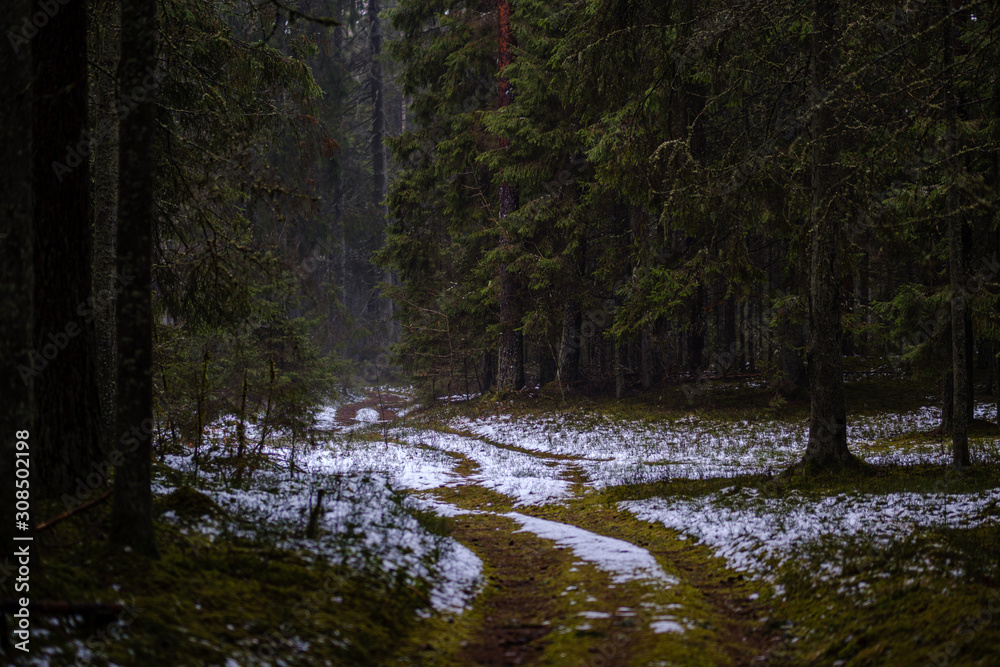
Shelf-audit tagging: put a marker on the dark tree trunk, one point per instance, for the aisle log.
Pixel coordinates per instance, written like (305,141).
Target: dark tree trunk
(957,259)
(793,368)
(948,402)
(569,347)
(67,439)
(488,375)
(104,202)
(546,366)
(337,165)
(132,522)
(827,445)
(379,178)
(696,333)
(15,270)
(510,374)
(378,107)
(620,356)
(646,359)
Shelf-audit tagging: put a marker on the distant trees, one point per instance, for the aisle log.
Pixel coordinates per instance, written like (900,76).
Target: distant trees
(700,185)
(194,155)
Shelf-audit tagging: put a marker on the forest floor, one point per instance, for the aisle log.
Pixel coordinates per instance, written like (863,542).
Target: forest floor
(583,514)
(538,529)
(565,585)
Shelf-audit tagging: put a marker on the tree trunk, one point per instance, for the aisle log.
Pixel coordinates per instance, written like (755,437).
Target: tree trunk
(646,359)
(947,402)
(569,347)
(15,270)
(793,369)
(510,373)
(132,522)
(696,334)
(956,262)
(379,178)
(67,439)
(378,107)
(620,355)
(489,373)
(827,445)
(104,202)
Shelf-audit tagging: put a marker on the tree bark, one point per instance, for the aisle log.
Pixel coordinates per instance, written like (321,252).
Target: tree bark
(956,261)
(510,371)
(827,445)
(569,347)
(15,267)
(132,522)
(104,202)
(646,359)
(379,178)
(67,438)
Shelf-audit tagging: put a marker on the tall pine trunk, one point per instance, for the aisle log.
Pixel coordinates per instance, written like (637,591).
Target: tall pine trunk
(827,445)
(510,371)
(132,522)
(379,178)
(67,439)
(104,200)
(15,269)
(960,356)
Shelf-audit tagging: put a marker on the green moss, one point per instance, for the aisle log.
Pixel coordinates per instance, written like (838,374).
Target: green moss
(206,601)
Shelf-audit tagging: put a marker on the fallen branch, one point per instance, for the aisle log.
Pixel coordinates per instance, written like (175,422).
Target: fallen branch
(51,522)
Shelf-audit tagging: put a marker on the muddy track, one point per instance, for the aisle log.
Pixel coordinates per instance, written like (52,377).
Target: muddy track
(542,605)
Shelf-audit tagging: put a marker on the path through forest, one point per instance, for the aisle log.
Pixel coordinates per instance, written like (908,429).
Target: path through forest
(580,582)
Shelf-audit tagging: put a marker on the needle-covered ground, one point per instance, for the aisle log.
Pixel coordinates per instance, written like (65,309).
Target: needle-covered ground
(536,530)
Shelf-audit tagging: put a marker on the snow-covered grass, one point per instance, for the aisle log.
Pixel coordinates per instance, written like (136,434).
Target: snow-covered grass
(757,534)
(524,478)
(614,452)
(364,518)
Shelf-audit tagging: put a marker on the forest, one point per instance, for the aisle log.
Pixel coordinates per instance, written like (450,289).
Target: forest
(507,332)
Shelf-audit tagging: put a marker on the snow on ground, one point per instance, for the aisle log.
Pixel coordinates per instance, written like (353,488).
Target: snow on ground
(364,515)
(367,416)
(624,560)
(527,479)
(615,452)
(754,533)
(696,447)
